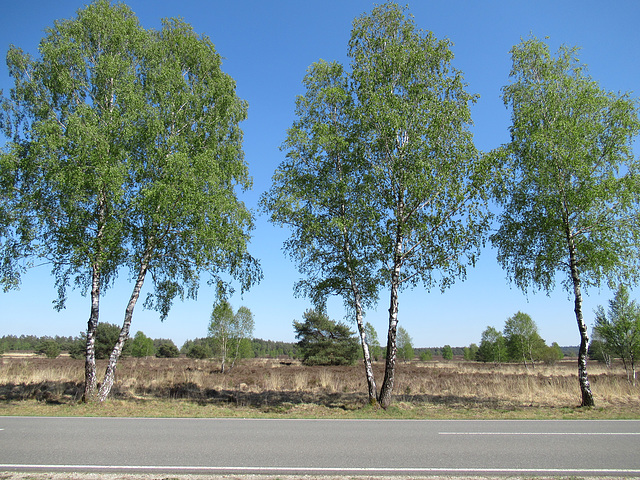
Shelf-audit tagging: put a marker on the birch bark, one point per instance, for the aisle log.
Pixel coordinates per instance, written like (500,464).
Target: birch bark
(110,372)
(390,363)
(91,379)
(368,366)
(583,379)
(90,383)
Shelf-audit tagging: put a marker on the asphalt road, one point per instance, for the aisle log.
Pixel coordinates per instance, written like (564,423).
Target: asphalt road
(321,447)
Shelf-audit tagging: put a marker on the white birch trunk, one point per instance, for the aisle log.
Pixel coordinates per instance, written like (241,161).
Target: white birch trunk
(390,365)
(392,351)
(110,372)
(357,301)
(223,346)
(368,366)
(90,377)
(585,387)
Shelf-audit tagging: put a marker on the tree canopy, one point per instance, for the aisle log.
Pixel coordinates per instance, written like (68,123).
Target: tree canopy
(522,338)
(320,191)
(228,329)
(492,347)
(382,182)
(142,346)
(127,152)
(570,189)
(619,329)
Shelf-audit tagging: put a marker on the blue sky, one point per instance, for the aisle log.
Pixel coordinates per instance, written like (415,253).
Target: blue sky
(267,47)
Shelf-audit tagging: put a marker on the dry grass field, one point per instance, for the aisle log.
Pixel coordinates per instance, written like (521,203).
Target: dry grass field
(261,387)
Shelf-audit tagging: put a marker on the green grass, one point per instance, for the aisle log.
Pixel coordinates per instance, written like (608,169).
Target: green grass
(399,410)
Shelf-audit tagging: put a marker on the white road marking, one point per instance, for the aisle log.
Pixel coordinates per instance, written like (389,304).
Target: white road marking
(538,433)
(202,469)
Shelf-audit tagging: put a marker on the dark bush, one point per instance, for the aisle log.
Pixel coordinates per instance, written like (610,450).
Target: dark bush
(50,348)
(167,350)
(198,351)
(324,341)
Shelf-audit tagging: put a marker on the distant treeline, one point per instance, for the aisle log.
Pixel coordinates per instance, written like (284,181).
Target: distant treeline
(157,347)
(250,348)
(31,342)
(257,348)
(270,348)
(459,351)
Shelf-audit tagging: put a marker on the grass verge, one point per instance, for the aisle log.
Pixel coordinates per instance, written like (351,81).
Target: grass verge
(398,410)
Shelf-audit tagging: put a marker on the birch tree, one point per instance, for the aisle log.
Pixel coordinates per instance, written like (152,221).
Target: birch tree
(619,327)
(222,328)
(522,338)
(245,325)
(493,347)
(372,341)
(428,181)
(405,345)
(185,218)
(129,153)
(570,199)
(383,183)
(320,192)
(228,329)
(69,124)
(142,346)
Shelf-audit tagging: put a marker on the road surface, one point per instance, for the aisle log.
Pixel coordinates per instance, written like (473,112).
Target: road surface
(320,447)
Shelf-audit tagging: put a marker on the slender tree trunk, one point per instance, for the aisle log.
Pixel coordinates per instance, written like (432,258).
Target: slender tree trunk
(368,367)
(533,363)
(110,372)
(390,364)
(357,301)
(235,354)
(524,358)
(626,369)
(224,354)
(392,351)
(585,387)
(90,376)
(630,369)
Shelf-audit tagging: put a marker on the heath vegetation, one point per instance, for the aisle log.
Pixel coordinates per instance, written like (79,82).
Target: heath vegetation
(259,387)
